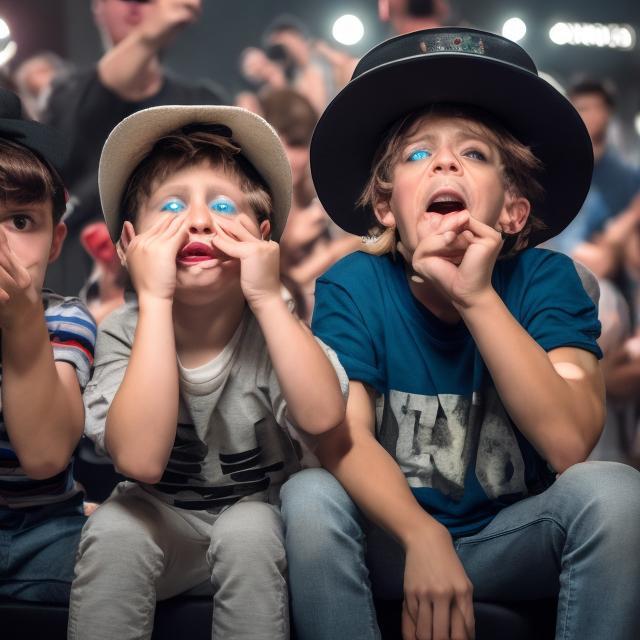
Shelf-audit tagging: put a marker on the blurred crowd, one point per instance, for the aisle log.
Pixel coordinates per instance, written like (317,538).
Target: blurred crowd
(290,76)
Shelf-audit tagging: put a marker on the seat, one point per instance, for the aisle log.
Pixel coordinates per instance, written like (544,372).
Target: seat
(189,618)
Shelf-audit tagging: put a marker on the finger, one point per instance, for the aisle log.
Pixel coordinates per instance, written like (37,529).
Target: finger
(425,623)
(465,606)
(236,227)
(407,624)
(230,246)
(482,230)
(458,624)
(441,618)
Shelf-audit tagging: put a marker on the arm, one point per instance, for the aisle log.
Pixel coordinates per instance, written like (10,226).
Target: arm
(308,380)
(141,422)
(41,398)
(555,399)
(125,69)
(434,578)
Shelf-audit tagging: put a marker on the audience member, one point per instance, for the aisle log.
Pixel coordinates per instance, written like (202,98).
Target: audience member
(475,391)
(46,355)
(34,77)
(311,243)
(199,379)
(86,105)
(406,16)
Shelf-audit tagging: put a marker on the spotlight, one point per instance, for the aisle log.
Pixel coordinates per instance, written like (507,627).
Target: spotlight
(514,29)
(8,47)
(348,29)
(5,32)
(586,34)
(636,122)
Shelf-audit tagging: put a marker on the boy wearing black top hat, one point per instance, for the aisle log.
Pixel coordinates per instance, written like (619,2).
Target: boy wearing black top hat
(46,355)
(475,392)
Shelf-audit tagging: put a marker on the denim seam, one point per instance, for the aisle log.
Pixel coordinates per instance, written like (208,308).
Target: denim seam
(461,541)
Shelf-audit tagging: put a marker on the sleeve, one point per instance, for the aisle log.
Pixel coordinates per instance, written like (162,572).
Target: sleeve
(72,332)
(340,323)
(113,349)
(557,311)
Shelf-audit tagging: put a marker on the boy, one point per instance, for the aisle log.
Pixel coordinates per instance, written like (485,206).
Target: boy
(47,350)
(196,378)
(473,381)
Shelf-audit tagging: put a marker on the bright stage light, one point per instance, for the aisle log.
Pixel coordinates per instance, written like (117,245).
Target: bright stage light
(514,29)
(636,122)
(5,32)
(611,36)
(348,29)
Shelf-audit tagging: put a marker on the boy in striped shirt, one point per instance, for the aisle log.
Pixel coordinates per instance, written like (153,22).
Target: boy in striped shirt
(46,348)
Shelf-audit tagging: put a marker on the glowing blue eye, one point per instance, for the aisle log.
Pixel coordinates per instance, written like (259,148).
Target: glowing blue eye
(173,205)
(223,205)
(419,154)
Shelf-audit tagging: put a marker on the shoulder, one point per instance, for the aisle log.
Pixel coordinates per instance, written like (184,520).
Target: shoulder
(66,312)
(353,268)
(202,91)
(534,262)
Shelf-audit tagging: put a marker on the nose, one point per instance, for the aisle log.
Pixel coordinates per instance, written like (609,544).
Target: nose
(445,161)
(200,219)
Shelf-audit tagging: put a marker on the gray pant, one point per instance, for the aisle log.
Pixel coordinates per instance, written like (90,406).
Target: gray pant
(135,549)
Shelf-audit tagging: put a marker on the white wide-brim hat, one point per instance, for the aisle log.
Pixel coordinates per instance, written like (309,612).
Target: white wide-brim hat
(133,138)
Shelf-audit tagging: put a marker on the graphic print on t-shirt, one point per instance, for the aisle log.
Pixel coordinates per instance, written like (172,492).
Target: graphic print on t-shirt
(434,439)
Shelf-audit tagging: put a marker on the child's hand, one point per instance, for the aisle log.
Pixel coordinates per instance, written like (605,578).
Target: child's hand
(457,253)
(151,256)
(259,260)
(438,595)
(18,295)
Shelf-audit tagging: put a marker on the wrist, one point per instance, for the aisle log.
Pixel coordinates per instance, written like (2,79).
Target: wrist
(154,303)
(478,301)
(27,314)
(267,304)
(420,532)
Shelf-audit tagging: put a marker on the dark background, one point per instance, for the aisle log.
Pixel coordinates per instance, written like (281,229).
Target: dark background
(211,48)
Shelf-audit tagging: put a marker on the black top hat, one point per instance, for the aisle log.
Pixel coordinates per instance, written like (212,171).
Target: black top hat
(456,66)
(45,141)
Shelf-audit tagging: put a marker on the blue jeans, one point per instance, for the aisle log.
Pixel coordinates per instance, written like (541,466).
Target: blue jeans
(38,550)
(579,540)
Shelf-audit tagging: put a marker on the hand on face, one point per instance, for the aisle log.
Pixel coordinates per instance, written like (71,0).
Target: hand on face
(259,259)
(457,253)
(150,257)
(18,295)
(167,17)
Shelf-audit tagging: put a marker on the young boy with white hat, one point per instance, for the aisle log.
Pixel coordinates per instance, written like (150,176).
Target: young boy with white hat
(198,379)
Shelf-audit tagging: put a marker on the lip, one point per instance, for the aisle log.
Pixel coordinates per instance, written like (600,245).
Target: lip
(448,192)
(196,252)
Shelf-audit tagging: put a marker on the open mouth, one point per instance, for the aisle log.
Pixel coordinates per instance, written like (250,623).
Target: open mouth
(196,252)
(444,202)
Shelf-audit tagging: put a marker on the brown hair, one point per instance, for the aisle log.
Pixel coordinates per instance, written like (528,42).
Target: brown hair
(188,146)
(291,115)
(26,178)
(520,168)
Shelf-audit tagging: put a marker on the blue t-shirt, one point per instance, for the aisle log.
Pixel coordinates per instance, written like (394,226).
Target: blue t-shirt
(438,412)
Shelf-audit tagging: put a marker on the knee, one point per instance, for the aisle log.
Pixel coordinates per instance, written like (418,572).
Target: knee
(248,533)
(609,491)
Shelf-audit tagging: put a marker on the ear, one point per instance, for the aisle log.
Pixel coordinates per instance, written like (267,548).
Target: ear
(515,214)
(383,213)
(265,229)
(57,240)
(126,236)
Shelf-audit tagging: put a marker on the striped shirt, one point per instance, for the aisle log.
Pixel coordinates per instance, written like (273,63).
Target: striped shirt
(72,332)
